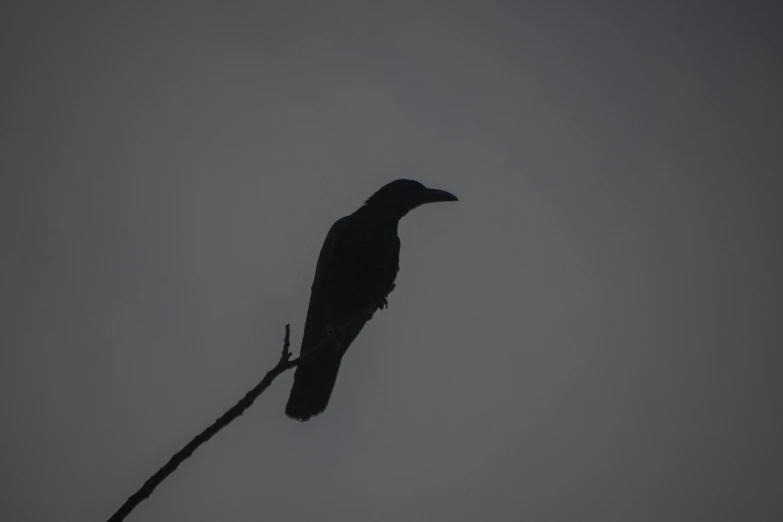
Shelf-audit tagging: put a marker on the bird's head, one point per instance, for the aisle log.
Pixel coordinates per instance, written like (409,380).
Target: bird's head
(403,195)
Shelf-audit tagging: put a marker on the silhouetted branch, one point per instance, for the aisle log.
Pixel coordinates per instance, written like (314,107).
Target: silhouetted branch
(285,363)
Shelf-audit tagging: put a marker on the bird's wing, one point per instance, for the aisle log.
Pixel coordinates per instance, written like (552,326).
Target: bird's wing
(327,303)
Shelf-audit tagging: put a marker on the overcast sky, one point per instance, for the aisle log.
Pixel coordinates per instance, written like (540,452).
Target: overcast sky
(592,333)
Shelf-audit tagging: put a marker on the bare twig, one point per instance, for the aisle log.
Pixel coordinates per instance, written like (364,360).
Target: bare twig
(285,363)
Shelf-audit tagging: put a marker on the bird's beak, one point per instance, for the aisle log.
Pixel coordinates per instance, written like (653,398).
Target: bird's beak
(435,196)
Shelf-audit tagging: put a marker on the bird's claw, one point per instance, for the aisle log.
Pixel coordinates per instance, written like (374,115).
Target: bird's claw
(334,336)
(385,300)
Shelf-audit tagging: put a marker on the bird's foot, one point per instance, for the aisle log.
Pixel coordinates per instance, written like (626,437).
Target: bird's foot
(385,300)
(334,336)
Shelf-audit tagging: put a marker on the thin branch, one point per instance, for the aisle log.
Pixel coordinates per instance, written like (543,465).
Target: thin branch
(285,363)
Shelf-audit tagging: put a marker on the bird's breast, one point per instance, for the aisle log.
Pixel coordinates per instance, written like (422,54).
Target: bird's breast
(368,266)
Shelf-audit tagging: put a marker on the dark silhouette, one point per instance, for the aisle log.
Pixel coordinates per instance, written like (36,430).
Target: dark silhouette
(354,275)
(356,270)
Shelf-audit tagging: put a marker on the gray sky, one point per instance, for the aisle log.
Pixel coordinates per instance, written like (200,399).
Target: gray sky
(592,333)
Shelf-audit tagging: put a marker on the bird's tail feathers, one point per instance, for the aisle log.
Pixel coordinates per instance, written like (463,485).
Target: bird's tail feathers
(314,381)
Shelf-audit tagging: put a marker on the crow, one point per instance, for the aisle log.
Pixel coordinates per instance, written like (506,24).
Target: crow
(355,273)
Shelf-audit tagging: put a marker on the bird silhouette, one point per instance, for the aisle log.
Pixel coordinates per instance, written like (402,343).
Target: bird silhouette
(355,273)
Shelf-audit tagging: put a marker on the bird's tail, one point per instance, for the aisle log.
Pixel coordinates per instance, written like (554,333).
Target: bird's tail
(314,381)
